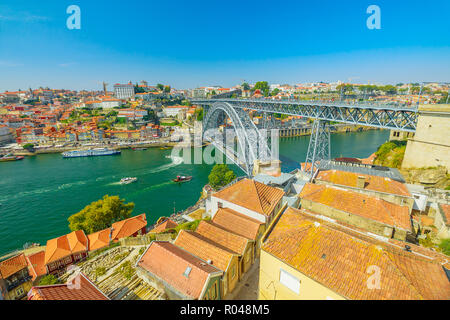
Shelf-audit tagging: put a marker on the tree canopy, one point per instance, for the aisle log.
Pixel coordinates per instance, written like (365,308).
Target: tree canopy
(263,86)
(49,280)
(245,86)
(160,87)
(220,176)
(100,214)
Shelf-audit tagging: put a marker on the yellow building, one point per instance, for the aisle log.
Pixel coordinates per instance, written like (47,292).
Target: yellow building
(306,258)
(15,281)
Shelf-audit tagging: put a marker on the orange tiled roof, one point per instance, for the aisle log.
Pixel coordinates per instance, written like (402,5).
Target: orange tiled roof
(252,195)
(36,264)
(237,223)
(339,258)
(12,265)
(205,249)
(99,239)
(128,227)
(86,291)
(221,236)
(358,204)
(163,226)
(446,210)
(61,247)
(169,262)
(374,183)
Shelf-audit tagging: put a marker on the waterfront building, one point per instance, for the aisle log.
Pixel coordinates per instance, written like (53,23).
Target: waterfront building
(307,258)
(65,250)
(131,227)
(214,254)
(178,273)
(236,243)
(36,265)
(124,91)
(359,210)
(15,280)
(80,288)
(253,199)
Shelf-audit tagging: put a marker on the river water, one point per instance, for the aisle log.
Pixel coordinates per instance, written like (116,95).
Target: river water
(39,193)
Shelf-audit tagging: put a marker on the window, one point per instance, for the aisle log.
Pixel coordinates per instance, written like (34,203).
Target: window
(219,205)
(19,291)
(289,281)
(187,272)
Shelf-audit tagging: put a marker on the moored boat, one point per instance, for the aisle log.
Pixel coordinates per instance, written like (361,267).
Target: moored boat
(90,153)
(10,157)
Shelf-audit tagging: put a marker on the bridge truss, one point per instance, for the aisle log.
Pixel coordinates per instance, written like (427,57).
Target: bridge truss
(385,116)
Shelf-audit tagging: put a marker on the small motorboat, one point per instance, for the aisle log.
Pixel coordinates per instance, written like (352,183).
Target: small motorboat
(11,157)
(138,149)
(128,180)
(182,179)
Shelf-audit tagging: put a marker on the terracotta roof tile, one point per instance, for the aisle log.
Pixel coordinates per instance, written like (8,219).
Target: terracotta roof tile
(169,262)
(374,183)
(36,264)
(128,227)
(237,223)
(222,236)
(163,226)
(63,246)
(86,291)
(446,210)
(358,204)
(205,249)
(99,239)
(252,195)
(339,258)
(12,265)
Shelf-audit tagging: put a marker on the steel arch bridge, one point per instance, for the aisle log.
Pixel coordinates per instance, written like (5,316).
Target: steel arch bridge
(252,143)
(385,116)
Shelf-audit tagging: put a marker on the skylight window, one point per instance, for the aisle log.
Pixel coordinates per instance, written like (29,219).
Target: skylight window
(187,272)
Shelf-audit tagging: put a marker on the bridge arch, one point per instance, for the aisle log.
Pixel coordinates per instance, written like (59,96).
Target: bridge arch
(252,144)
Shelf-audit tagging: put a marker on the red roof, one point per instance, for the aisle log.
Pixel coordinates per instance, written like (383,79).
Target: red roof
(177,267)
(36,264)
(81,288)
(128,227)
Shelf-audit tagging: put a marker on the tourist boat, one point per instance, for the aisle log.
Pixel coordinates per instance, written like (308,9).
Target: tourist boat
(90,153)
(128,180)
(182,179)
(11,157)
(138,149)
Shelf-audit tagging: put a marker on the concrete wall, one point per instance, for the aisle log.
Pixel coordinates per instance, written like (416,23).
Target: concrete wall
(270,287)
(355,220)
(430,146)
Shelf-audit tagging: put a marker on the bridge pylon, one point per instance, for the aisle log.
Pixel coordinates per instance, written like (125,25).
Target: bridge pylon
(319,146)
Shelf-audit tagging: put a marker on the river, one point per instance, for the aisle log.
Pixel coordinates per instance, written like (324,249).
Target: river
(39,193)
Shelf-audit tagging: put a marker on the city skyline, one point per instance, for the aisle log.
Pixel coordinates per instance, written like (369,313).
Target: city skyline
(189,45)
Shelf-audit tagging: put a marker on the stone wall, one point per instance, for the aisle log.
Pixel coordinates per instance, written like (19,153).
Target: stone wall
(430,146)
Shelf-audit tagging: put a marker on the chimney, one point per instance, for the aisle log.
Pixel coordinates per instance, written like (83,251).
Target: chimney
(361,182)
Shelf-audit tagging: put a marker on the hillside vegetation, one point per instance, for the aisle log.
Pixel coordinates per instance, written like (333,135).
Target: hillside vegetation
(390,154)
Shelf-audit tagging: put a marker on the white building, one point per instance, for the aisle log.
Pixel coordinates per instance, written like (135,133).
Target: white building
(124,91)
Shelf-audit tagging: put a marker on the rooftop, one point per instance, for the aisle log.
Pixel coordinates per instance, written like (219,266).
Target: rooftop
(358,204)
(170,262)
(65,245)
(128,227)
(339,258)
(12,265)
(237,223)
(252,195)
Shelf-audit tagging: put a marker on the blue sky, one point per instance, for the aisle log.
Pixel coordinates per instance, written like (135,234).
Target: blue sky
(195,43)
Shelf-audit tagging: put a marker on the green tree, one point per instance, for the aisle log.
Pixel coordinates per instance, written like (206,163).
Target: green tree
(28,147)
(198,114)
(445,246)
(220,176)
(49,280)
(167,89)
(263,86)
(275,92)
(245,86)
(100,214)
(160,87)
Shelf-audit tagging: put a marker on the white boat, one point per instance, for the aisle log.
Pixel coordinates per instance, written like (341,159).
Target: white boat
(128,180)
